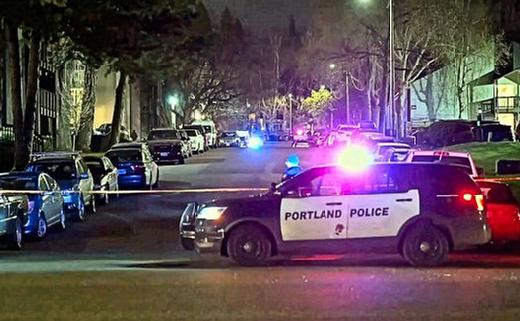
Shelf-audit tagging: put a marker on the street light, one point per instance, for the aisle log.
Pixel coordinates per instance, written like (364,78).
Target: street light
(347,93)
(172,100)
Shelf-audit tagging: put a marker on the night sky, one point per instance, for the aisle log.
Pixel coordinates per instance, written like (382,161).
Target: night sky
(266,14)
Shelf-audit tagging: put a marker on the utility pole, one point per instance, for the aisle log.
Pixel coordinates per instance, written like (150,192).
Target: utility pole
(290,115)
(347,97)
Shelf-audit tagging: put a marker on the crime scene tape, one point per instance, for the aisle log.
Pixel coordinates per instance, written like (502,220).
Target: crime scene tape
(154,191)
(499,179)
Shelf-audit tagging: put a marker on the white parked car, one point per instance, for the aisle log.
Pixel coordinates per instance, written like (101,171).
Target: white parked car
(196,139)
(211,131)
(391,151)
(445,157)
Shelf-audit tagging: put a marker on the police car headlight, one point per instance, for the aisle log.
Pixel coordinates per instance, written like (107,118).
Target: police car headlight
(211,213)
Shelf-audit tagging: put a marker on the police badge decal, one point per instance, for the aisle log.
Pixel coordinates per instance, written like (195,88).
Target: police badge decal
(339,229)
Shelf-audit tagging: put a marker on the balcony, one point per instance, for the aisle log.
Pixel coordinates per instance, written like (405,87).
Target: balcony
(499,105)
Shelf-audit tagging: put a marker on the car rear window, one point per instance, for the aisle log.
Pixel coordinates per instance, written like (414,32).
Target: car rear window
(58,171)
(191,133)
(498,193)
(25,184)
(163,134)
(123,156)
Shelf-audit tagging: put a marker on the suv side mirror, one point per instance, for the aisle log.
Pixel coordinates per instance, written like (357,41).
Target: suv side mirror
(273,187)
(480,172)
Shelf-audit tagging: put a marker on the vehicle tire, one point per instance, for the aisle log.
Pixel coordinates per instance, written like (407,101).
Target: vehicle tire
(106,197)
(249,246)
(80,212)
(425,245)
(92,205)
(181,161)
(156,184)
(188,244)
(41,228)
(14,239)
(62,225)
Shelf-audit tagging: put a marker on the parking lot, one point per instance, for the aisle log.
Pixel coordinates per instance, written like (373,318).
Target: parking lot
(129,252)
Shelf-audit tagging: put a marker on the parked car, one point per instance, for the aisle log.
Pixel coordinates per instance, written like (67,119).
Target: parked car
(166,146)
(197,140)
(202,130)
(382,151)
(187,142)
(44,210)
(105,175)
(503,211)
(439,156)
(210,131)
(13,216)
(135,167)
(228,139)
(74,179)
(105,129)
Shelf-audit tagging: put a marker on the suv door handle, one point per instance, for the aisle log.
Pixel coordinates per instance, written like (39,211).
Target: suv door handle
(403,200)
(334,204)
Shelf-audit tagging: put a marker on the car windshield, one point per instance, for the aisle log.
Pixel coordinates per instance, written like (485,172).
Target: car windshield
(163,134)
(398,148)
(191,133)
(229,135)
(64,170)
(462,161)
(124,155)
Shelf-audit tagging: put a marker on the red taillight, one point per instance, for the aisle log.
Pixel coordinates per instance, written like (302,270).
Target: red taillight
(443,154)
(478,200)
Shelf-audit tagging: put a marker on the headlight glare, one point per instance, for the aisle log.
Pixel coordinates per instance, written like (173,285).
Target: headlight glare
(211,213)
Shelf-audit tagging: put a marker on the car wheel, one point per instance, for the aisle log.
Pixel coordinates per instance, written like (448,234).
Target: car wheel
(181,160)
(62,226)
(14,239)
(80,212)
(425,245)
(92,205)
(249,246)
(41,228)
(106,197)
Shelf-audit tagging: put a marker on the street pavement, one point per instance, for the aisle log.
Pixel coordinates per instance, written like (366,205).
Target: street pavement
(125,263)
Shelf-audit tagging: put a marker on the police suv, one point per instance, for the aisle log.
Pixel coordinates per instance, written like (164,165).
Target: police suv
(421,211)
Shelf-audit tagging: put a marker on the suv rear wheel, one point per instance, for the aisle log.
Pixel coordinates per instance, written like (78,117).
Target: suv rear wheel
(14,238)
(249,246)
(425,245)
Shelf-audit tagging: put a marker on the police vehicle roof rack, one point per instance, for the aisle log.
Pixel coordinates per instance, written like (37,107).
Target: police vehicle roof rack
(64,154)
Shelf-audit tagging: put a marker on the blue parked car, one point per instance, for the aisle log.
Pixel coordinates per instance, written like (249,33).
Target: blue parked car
(73,177)
(44,209)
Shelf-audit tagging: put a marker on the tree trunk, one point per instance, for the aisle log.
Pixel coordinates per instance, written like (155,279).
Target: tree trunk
(64,133)
(87,109)
(13,62)
(118,109)
(32,89)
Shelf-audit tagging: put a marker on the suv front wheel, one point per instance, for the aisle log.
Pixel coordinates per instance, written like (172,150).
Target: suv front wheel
(425,245)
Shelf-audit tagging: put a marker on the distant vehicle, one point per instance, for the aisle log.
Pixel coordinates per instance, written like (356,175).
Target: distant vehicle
(228,139)
(210,130)
(44,210)
(13,217)
(445,157)
(73,177)
(104,174)
(105,129)
(383,148)
(367,125)
(344,134)
(167,146)
(202,130)
(187,143)
(197,140)
(135,167)
(503,211)
(422,211)
(370,140)
(301,135)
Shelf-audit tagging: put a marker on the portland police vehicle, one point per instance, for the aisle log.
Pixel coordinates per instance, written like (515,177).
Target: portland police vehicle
(421,211)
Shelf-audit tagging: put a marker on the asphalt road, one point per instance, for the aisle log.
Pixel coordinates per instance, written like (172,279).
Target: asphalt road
(125,263)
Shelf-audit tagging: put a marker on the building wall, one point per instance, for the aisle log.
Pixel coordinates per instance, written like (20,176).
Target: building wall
(105,98)
(443,102)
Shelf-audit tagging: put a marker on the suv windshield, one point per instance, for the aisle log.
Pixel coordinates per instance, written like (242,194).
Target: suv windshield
(64,170)
(163,134)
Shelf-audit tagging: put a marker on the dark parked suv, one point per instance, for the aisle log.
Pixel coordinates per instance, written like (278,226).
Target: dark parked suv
(166,146)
